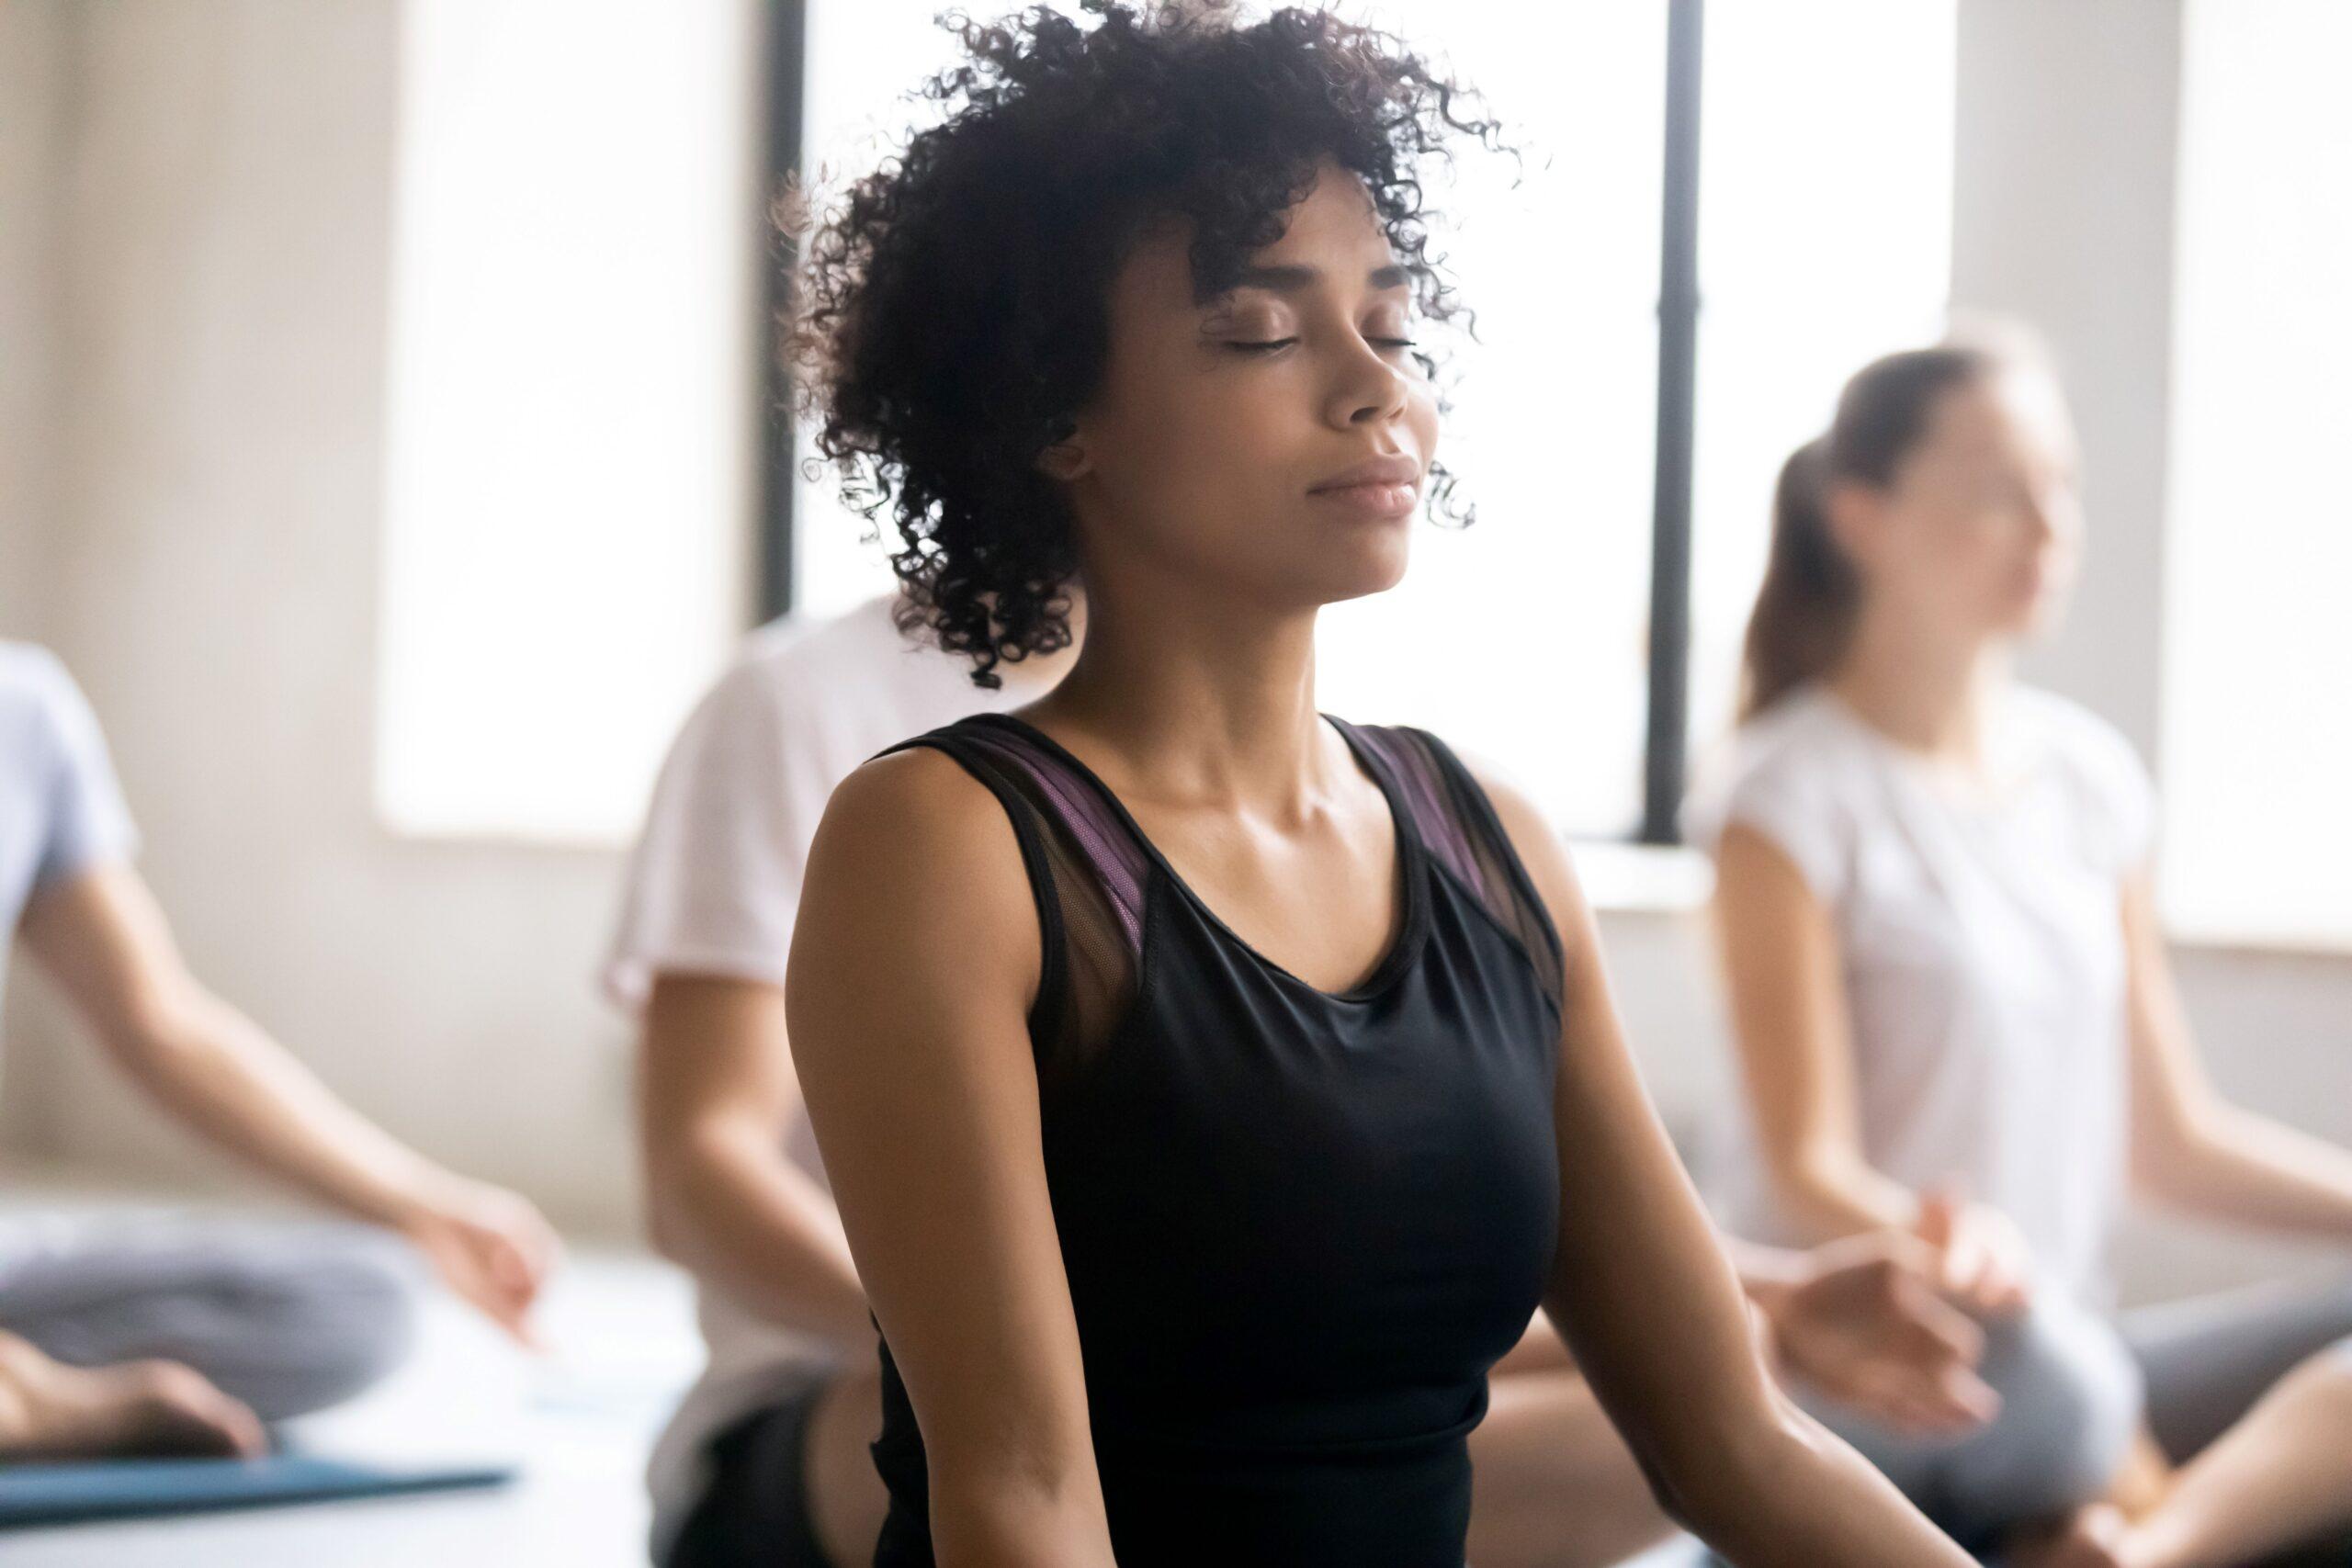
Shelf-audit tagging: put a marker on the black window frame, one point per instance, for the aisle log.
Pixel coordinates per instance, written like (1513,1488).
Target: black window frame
(1665,758)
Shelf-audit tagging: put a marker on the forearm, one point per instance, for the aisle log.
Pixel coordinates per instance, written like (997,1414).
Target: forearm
(1016,1524)
(744,1220)
(2246,1169)
(1827,1196)
(216,1071)
(1767,1273)
(1790,1494)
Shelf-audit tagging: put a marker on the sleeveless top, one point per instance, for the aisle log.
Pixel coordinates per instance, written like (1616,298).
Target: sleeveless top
(1298,1226)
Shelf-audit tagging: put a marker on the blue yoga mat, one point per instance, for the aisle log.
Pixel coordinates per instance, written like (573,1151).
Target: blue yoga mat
(33,1495)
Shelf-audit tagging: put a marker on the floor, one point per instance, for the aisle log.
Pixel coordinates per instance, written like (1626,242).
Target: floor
(576,1420)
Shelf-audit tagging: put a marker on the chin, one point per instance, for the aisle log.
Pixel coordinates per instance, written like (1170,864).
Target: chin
(2028,623)
(1362,573)
(2050,608)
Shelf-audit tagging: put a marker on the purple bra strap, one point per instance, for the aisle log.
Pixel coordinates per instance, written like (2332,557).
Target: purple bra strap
(1119,863)
(1426,798)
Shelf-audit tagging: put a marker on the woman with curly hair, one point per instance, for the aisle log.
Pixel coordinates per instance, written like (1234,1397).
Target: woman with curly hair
(1212,1089)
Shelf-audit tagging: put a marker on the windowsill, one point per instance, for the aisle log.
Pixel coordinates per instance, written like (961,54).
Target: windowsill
(1623,878)
(1619,877)
(2225,941)
(439,837)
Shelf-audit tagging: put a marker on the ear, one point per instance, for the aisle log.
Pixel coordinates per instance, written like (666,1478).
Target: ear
(1856,516)
(1067,458)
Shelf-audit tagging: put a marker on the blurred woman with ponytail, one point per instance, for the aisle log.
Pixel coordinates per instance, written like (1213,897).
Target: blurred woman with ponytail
(1954,1010)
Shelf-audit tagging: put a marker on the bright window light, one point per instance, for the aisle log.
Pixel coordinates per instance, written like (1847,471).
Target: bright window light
(2256,735)
(1824,203)
(1521,638)
(574,340)
(864,60)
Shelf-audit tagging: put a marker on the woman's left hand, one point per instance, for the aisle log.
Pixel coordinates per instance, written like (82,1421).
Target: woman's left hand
(491,1247)
(1864,1322)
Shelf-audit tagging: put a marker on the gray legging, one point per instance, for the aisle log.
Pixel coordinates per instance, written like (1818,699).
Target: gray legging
(287,1317)
(2075,1388)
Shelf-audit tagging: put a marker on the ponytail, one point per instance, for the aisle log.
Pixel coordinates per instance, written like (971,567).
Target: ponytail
(1811,595)
(1804,611)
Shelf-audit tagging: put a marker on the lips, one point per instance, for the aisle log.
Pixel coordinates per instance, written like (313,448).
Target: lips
(1391,470)
(1385,488)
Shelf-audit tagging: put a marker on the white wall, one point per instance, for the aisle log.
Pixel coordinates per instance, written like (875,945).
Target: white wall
(31,65)
(2063,215)
(218,293)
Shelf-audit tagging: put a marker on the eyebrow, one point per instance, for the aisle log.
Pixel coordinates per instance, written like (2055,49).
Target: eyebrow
(1290,277)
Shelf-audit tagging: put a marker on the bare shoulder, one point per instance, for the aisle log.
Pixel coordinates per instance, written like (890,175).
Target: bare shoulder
(920,793)
(915,859)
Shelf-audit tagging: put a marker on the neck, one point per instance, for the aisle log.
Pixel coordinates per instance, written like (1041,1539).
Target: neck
(1201,699)
(1031,678)
(1931,696)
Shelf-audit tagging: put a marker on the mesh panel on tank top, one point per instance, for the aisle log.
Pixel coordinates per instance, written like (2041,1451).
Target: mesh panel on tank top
(1090,874)
(1462,833)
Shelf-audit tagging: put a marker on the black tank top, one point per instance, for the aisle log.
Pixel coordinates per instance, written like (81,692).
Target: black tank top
(1299,1226)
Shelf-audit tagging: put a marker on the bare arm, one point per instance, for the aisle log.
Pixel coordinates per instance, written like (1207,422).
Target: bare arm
(102,938)
(914,967)
(2192,1149)
(1725,1451)
(1780,960)
(716,1089)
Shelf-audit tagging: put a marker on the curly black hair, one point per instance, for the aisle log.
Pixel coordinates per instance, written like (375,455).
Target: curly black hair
(950,315)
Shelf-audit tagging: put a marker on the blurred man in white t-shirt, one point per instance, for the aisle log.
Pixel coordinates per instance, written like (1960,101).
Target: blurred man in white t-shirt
(151,1330)
(735,1191)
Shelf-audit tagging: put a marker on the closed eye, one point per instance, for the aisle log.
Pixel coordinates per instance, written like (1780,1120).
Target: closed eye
(1268,345)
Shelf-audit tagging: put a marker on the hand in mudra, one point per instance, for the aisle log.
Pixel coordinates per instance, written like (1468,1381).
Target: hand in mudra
(1869,1324)
(491,1247)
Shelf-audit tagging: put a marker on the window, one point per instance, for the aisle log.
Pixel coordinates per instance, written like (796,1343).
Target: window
(1523,639)
(2256,749)
(573,373)
(1824,240)
(861,61)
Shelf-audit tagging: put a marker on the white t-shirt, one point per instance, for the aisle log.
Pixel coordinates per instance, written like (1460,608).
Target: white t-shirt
(713,889)
(1979,924)
(61,809)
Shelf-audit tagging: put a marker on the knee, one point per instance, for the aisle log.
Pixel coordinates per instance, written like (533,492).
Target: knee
(365,1300)
(2071,1406)
(335,1325)
(2326,1381)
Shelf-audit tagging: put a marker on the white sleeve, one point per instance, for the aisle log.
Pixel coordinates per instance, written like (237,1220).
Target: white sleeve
(2119,795)
(715,881)
(87,822)
(1782,792)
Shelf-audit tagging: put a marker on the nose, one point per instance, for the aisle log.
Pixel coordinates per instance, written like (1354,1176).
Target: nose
(2038,521)
(1368,389)
(2052,514)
